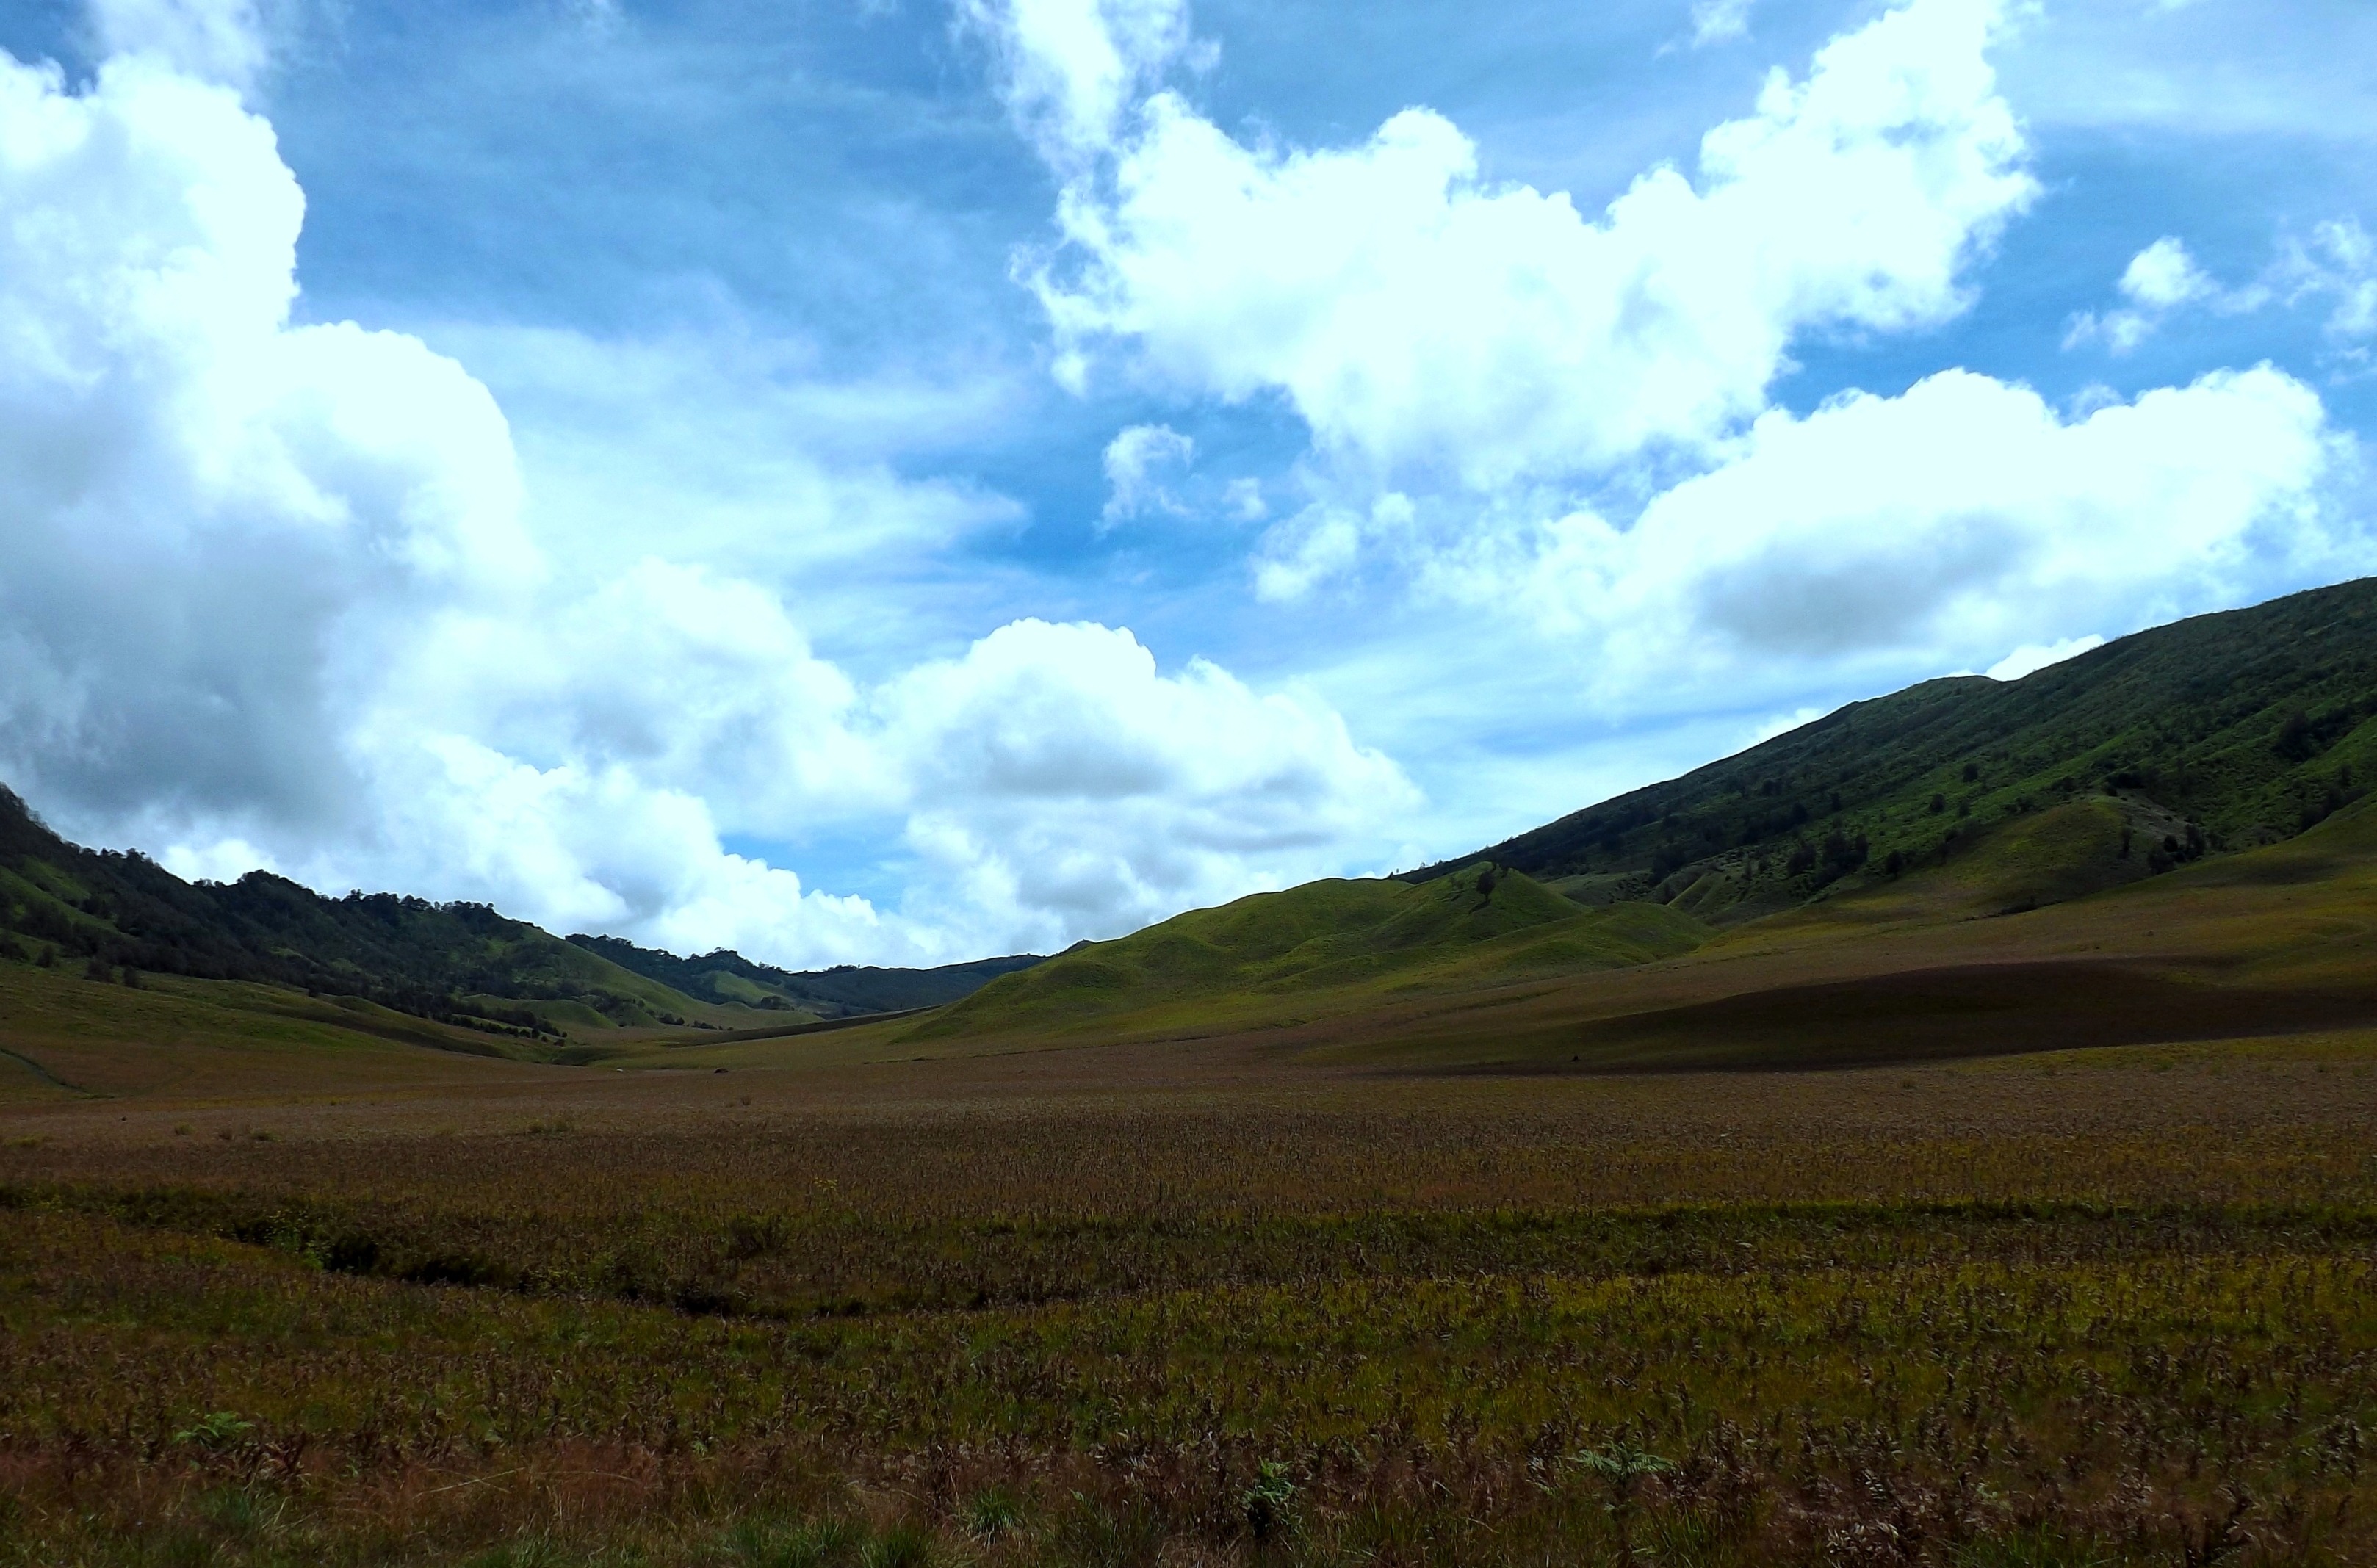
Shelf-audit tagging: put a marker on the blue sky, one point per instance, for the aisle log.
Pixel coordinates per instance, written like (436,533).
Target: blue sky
(901,481)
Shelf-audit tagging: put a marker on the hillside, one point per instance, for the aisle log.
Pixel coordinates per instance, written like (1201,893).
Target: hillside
(845,990)
(115,916)
(1326,944)
(2213,733)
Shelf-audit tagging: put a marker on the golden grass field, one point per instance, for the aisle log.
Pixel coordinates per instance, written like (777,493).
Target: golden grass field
(1895,1231)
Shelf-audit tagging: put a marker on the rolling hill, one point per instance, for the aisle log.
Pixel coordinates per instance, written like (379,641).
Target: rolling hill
(2164,836)
(120,916)
(1325,944)
(1825,884)
(2218,732)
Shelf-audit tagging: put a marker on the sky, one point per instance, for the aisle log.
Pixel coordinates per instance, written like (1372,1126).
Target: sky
(899,481)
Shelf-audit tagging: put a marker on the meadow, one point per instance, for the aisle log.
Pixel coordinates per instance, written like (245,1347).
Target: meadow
(1201,1303)
(1444,1224)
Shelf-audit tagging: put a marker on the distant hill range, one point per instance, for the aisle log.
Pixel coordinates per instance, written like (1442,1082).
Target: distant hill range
(845,990)
(2197,778)
(110,914)
(2218,732)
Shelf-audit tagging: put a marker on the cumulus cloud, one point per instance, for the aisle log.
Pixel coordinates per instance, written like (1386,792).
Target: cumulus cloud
(218,41)
(2031,658)
(268,598)
(212,519)
(1472,358)
(1071,69)
(2337,266)
(1324,541)
(1424,321)
(2163,275)
(1056,769)
(1962,518)
(2161,279)
(1138,463)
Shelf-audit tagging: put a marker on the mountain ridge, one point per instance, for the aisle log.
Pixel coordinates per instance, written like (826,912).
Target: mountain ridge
(119,913)
(2208,733)
(841,991)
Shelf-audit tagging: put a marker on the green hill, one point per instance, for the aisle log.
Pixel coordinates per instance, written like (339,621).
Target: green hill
(2219,732)
(115,916)
(1953,799)
(1325,943)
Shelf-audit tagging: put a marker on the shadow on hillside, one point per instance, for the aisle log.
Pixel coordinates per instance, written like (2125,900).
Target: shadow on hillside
(1932,1014)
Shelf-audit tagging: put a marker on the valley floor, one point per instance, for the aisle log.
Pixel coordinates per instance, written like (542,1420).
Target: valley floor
(1232,1300)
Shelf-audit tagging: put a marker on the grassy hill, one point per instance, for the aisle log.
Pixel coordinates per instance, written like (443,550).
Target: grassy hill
(2218,732)
(109,916)
(1828,884)
(1925,831)
(1323,944)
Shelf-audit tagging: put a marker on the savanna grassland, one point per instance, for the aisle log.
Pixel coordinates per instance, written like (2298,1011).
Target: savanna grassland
(1202,1302)
(2008,1200)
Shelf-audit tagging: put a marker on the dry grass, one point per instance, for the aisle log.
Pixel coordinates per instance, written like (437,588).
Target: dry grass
(1429,1278)
(2099,1307)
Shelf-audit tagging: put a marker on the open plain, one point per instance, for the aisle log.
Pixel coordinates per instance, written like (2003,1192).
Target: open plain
(1631,1266)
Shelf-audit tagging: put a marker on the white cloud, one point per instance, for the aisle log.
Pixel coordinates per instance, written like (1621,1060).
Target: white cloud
(756,466)
(1137,462)
(2161,279)
(1325,540)
(2162,276)
(1470,358)
(1055,770)
(1422,320)
(212,519)
(1719,21)
(1072,68)
(269,598)
(2335,268)
(1940,528)
(1052,782)
(2031,658)
(218,41)
(1243,500)
(1783,724)
(2338,266)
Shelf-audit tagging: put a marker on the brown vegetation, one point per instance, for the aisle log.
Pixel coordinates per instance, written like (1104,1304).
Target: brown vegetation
(2069,1258)
(1202,1303)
